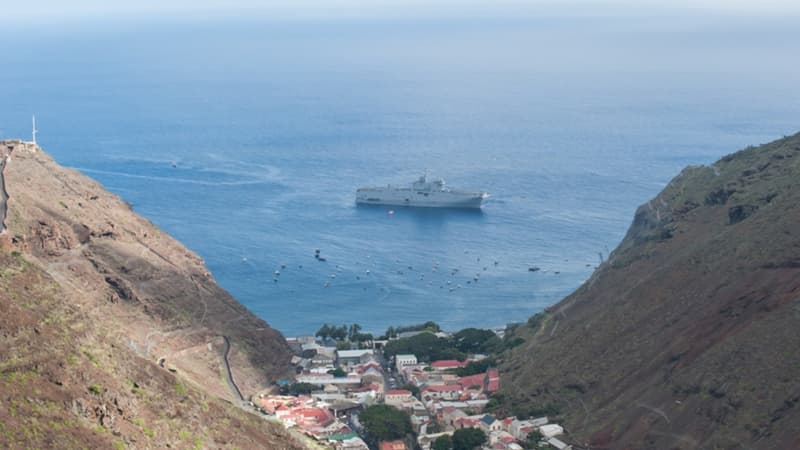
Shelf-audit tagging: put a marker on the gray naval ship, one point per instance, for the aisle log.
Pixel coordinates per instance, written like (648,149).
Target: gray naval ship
(422,193)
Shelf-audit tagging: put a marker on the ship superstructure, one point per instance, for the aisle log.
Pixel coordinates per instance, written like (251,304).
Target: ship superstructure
(421,193)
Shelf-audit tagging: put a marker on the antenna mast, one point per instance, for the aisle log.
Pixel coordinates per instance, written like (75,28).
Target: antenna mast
(33,132)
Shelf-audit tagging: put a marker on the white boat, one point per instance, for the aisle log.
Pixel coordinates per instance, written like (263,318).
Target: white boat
(422,193)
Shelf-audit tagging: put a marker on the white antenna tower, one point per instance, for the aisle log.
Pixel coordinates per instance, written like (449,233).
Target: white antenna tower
(33,132)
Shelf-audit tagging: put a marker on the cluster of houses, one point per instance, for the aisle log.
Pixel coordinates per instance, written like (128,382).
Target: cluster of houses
(313,417)
(455,402)
(348,380)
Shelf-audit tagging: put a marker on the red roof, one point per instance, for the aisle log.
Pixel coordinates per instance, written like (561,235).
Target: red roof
(473,380)
(466,422)
(392,445)
(494,380)
(448,364)
(398,392)
(443,388)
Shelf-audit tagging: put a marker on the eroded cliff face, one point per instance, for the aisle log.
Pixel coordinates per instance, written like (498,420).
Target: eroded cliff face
(687,336)
(111,308)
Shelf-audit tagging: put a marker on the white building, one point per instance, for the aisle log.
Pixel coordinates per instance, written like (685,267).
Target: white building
(352,357)
(551,430)
(401,361)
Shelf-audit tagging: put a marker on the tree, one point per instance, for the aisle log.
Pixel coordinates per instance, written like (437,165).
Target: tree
(444,442)
(468,438)
(474,340)
(338,372)
(339,333)
(475,367)
(324,332)
(532,440)
(302,388)
(383,422)
(412,388)
(425,346)
(432,326)
(352,333)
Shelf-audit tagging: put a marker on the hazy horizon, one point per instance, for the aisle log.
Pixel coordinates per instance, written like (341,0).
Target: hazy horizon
(56,11)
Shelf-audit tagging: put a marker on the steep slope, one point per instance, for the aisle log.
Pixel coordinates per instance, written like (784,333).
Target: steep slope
(687,337)
(111,331)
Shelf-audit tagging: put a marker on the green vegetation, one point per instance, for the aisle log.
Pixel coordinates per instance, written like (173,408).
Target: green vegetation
(412,388)
(299,389)
(531,442)
(383,422)
(443,443)
(429,326)
(474,340)
(344,333)
(426,346)
(475,367)
(338,372)
(537,319)
(180,389)
(468,438)
(96,389)
(90,356)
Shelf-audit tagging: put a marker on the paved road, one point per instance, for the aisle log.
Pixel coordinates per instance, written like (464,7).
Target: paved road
(3,197)
(231,383)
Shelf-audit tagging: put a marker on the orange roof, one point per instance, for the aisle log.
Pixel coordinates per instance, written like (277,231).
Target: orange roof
(443,388)
(448,364)
(398,392)
(392,445)
(473,380)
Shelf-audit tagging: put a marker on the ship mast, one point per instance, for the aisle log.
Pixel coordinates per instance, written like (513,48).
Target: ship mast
(33,131)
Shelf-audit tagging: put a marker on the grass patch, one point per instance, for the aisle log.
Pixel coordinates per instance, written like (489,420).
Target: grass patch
(180,389)
(93,359)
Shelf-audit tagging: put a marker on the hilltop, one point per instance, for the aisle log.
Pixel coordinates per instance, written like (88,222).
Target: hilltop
(686,337)
(112,333)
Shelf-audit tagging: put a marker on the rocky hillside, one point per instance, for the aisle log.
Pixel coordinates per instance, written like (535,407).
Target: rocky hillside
(687,337)
(111,332)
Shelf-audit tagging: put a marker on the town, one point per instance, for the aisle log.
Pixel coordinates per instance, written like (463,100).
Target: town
(353,391)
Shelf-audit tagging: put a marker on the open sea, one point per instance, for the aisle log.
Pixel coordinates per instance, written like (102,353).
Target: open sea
(246,139)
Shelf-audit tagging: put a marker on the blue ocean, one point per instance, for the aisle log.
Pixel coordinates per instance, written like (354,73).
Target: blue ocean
(246,140)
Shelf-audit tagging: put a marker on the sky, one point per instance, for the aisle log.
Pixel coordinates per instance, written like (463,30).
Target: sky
(59,10)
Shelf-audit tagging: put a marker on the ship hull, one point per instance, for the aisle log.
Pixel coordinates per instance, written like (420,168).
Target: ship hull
(404,197)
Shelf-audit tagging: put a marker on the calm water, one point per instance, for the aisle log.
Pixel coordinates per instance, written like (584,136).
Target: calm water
(246,142)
